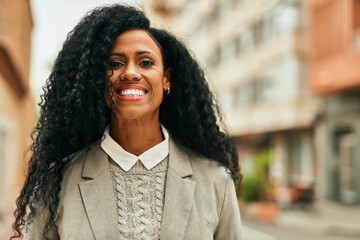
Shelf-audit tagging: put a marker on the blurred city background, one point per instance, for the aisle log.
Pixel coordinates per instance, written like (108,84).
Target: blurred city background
(287,75)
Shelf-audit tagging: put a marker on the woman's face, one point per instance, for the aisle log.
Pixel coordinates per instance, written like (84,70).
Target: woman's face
(136,76)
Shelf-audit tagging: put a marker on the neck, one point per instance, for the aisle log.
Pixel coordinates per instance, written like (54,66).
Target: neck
(136,136)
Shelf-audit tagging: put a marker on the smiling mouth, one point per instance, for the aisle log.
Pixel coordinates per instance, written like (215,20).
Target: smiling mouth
(131,92)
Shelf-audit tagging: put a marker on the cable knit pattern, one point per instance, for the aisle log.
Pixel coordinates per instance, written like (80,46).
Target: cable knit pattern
(139,194)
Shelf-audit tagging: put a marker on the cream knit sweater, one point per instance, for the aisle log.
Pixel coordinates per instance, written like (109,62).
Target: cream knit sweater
(139,194)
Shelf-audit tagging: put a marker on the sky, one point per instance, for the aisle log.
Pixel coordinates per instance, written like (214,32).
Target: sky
(53,20)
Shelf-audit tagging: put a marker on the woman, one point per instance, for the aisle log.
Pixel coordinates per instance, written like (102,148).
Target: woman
(127,145)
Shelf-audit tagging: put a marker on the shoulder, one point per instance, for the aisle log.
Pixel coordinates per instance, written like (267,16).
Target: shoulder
(77,158)
(209,170)
(73,172)
(205,169)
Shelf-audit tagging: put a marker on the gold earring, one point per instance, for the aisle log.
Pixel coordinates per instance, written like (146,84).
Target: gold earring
(167,91)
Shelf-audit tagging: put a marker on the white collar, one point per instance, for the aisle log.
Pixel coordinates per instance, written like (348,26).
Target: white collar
(126,160)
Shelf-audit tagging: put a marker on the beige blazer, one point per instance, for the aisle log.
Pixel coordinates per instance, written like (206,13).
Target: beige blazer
(200,200)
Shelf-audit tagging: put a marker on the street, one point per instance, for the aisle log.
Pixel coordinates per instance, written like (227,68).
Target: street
(260,231)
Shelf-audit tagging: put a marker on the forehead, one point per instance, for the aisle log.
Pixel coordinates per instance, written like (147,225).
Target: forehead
(134,41)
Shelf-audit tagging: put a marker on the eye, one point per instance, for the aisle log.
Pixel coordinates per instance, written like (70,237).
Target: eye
(115,64)
(146,63)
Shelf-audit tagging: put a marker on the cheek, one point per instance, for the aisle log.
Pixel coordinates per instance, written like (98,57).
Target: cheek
(155,80)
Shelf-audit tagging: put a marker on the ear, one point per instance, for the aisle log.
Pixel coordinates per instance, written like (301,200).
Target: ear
(167,79)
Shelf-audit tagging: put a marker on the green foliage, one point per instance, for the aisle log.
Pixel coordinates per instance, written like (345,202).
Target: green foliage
(252,188)
(254,185)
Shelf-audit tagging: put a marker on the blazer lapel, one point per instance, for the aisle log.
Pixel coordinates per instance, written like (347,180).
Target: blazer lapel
(179,195)
(97,194)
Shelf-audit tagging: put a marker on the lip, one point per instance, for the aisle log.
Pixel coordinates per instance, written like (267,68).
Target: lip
(120,88)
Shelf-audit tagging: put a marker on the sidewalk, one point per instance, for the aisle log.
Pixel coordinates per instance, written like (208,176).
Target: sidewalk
(253,234)
(324,218)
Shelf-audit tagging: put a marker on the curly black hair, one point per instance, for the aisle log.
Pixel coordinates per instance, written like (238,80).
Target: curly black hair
(73,113)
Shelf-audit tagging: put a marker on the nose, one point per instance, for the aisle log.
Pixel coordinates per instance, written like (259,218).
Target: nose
(130,73)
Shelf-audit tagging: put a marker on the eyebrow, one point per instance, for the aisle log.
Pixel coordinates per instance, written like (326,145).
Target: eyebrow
(139,53)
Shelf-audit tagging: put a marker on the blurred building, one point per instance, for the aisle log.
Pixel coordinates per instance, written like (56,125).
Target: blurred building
(255,52)
(335,75)
(16,103)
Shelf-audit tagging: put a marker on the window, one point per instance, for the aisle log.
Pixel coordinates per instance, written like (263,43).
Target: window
(258,32)
(214,58)
(252,92)
(213,17)
(262,89)
(242,95)
(227,5)
(246,41)
(284,18)
(344,170)
(295,157)
(228,51)
(347,168)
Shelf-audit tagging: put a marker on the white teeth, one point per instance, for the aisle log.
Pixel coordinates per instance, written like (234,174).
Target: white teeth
(132,92)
